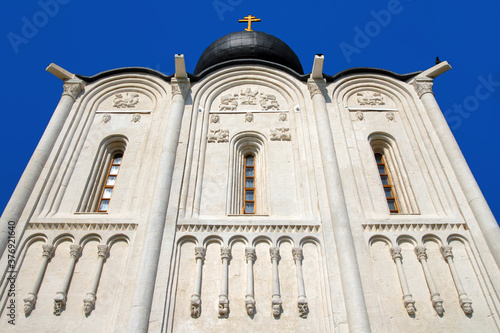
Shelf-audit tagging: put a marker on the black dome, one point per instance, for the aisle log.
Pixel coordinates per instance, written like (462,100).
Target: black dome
(248,47)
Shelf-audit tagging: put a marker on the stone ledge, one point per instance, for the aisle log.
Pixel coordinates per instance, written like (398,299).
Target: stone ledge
(378,227)
(246,228)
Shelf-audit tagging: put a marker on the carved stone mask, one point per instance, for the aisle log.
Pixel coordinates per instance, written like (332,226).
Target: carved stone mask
(467,307)
(250,308)
(87,307)
(410,308)
(276,309)
(28,306)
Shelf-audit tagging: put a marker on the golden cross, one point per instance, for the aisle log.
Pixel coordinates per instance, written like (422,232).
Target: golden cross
(249,19)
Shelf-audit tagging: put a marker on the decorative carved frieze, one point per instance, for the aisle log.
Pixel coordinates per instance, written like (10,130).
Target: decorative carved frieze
(126,100)
(218,136)
(228,102)
(81,226)
(424,227)
(280,134)
(370,98)
(253,228)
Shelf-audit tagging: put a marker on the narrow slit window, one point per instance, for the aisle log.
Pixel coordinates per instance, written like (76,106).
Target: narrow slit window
(387,184)
(249,189)
(109,183)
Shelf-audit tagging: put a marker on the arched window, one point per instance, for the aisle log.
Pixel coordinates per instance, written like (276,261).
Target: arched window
(386,183)
(102,179)
(247,193)
(109,182)
(395,183)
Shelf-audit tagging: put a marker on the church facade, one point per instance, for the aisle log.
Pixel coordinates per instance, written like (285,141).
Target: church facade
(248,196)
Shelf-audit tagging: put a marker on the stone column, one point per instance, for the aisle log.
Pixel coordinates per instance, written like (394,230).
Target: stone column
(482,212)
(407,297)
(199,254)
(30,301)
(249,298)
(24,188)
(60,299)
(437,302)
(465,302)
(276,302)
(302,301)
(225,253)
(357,315)
(144,288)
(90,298)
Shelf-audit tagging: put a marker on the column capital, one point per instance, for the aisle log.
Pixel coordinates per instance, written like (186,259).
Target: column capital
(199,253)
(102,251)
(446,251)
(250,254)
(48,250)
(420,252)
(274,252)
(423,85)
(180,87)
(225,252)
(73,87)
(316,86)
(297,253)
(396,253)
(75,251)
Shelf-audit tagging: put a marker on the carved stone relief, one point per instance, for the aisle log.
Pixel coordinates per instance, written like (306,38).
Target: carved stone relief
(126,100)
(214,119)
(106,118)
(281,134)
(360,115)
(283,116)
(249,99)
(136,118)
(390,116)
(370,98)
(249,117)
(218,135)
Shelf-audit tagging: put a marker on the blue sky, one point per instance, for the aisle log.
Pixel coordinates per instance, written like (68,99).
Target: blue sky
(87,37)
